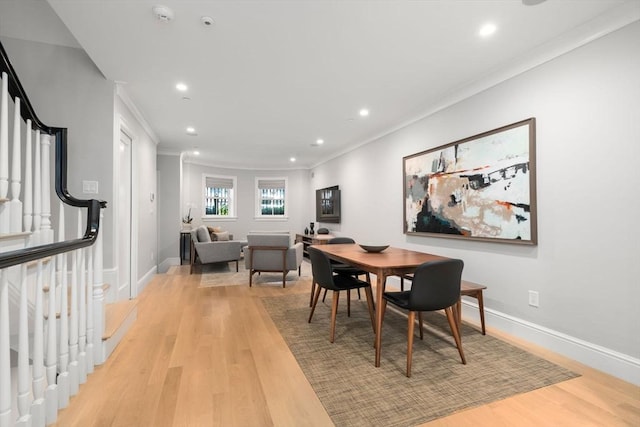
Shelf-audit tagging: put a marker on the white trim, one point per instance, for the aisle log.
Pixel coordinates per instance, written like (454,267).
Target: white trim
(126,99)
(234,197)
(106,347)
(164,266)
(144,280)
(124,128)
(257,199)
(603,359)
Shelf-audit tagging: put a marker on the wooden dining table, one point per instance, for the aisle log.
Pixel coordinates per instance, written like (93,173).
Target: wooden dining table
(390,262)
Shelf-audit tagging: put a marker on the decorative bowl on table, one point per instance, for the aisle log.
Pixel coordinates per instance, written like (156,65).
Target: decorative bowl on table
(374,248)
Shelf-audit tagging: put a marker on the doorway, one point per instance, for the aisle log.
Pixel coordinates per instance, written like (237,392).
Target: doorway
(124,216)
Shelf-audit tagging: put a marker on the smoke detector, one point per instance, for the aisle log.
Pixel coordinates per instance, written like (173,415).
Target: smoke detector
(163,13)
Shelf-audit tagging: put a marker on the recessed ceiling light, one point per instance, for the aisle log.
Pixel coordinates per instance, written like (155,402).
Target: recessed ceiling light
(182,87)
(364,112)
(487,29)
(207,21)
(191,129)
(196,153)
(320,141)
(292,159)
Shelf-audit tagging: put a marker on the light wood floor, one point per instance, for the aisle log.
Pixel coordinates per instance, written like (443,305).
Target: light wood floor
(212,357)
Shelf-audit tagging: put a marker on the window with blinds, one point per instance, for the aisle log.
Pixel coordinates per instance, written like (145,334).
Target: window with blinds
(219,195)
(271,197)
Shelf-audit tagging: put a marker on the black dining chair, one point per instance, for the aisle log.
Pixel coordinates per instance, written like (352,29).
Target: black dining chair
(436,286)
(323,277)
(341,268)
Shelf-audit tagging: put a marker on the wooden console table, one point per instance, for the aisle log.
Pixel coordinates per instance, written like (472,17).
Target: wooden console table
(312,239)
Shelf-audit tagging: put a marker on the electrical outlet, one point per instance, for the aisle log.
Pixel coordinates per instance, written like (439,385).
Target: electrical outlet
(534,299)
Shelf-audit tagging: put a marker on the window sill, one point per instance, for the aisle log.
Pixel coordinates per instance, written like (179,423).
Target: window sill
(273,219)
(218,218)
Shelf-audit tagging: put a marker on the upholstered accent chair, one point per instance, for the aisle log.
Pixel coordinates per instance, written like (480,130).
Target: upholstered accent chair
(205,251)
(272,253)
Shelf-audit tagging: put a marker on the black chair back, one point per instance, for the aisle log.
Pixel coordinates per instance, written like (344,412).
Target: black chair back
(340,240)
(436,285)
(321,269)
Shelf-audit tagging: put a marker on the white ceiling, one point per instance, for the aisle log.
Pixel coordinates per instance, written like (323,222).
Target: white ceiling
(269,78)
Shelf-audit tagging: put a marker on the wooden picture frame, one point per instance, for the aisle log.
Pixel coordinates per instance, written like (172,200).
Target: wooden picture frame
(481,188)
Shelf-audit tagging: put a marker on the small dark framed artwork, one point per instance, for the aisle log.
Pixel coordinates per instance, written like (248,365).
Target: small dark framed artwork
(480,188)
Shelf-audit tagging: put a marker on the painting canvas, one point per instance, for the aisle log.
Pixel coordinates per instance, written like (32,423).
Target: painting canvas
(481,187)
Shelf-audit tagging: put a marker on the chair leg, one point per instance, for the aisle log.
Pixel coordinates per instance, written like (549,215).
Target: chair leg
(313,305)
(334,313)
(348,302)
(401,284)
(421,324)
(236,266)
(284,278)
(251,272)
(324,295)
(313,288)
(454,330)
(369,295)
(411,323)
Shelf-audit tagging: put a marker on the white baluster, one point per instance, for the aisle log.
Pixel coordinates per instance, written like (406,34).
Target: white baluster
(15,206)
(4,153)
(37,193)
(82,310)
(38,405)
(5,363)
(90,337)
(63,377)
(24,418)
(51,393)
(73,327)
(47,231)
(27,218)
(98,297)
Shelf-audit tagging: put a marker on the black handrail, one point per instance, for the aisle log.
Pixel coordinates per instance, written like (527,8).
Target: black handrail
(20,256)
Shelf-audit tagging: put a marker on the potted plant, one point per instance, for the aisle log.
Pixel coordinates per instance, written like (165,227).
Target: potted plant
(186,220)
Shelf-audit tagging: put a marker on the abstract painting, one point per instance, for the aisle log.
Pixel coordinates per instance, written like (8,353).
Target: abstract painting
(481,187)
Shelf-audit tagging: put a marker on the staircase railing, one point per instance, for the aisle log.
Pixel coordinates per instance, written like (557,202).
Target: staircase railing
(63,351)
(20,256)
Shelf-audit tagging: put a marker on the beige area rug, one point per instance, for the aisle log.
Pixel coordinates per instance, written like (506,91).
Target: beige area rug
(355,393)
(224,274)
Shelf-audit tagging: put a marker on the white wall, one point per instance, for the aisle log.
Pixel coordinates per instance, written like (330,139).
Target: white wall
(586,265)
(168,210)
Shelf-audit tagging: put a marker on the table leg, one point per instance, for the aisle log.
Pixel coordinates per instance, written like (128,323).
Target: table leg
(380,283)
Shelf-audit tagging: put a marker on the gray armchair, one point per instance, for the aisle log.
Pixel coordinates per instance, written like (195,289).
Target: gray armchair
(272,253)
(206,251)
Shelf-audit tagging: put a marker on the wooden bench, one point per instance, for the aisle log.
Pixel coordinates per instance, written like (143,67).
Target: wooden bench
(467,288)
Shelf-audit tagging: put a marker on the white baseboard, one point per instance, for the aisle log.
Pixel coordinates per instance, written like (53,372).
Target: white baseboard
(110,276)
(164,266)
(106,347)
(603,359)
(146,279)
